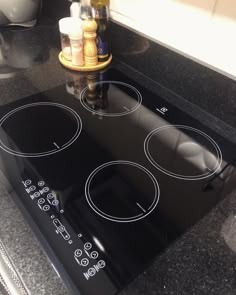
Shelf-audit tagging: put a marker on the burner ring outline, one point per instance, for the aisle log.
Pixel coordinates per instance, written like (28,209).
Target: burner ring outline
(120,219)
(179,176)
(139,101)
(53,151)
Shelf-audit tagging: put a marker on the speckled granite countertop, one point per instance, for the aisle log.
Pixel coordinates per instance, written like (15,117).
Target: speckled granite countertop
(203,261)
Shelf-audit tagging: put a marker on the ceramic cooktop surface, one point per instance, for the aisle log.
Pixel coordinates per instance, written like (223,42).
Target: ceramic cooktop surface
(109,175)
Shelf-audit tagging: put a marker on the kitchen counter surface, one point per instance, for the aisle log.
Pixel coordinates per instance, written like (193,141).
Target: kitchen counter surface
(203,261)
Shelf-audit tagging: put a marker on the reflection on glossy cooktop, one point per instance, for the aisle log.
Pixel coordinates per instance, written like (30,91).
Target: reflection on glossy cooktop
(110,174)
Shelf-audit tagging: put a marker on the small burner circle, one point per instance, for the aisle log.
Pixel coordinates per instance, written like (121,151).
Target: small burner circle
(136,210)
(117,107)
(199,155)
(27,125)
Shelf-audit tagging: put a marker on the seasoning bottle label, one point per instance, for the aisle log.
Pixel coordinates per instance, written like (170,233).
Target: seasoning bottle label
(103,48)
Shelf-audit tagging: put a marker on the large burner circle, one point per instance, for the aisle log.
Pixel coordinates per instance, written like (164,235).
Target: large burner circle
(39,129)
(122,191)
(111,98)
(183,152)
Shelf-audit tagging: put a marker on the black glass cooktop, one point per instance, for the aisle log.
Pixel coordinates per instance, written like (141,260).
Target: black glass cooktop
(109,175)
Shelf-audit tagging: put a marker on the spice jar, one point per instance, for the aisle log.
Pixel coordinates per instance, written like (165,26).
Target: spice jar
(76,43)
(65,26)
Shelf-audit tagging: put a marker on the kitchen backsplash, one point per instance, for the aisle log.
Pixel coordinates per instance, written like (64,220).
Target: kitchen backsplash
(200,29)
(190,80)
(198,84)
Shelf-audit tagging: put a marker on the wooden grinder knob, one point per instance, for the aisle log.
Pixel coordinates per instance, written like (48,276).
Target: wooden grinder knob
(90,47)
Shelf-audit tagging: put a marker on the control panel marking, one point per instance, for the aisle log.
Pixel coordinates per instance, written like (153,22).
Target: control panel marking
(60,229)
(56,145)
(162,110)
(95,269)
(46,198)
(141,207)
(126,108)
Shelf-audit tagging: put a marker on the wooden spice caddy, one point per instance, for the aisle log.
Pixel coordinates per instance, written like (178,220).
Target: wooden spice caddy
(68,64)
(89,27)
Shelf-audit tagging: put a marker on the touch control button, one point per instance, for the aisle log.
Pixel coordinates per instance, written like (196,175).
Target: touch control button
(87,246)
(50,196)
(94,255)
(41,201)
(78,253)
(61,229)
(46,207)
(84,261)
(36,194)
(55,202)
(41,183)
(95,269)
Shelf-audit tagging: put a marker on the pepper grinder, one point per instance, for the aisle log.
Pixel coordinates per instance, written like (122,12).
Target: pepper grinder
(90,47)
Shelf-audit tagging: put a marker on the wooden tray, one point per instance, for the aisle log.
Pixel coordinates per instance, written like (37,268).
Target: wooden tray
(68,64)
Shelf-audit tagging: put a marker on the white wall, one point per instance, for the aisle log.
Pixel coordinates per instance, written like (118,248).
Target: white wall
(204,30)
